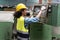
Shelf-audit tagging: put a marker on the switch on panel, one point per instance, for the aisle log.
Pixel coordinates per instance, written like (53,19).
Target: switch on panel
(49,8)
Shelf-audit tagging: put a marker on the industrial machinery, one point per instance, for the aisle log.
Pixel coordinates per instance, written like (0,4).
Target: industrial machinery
(54,20)
(41,30)
(52,17)
(6,24)
(36,10)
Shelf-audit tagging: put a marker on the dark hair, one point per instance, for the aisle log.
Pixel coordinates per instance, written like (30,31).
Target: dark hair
(18,13)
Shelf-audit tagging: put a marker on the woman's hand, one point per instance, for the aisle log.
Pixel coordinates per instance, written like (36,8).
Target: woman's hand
(43,8)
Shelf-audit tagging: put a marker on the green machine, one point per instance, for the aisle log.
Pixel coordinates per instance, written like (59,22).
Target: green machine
(50,30)
(40,31)
(6,24)
(5,31)
(54,21)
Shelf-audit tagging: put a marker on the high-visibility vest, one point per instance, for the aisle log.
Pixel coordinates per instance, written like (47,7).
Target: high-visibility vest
(20,24)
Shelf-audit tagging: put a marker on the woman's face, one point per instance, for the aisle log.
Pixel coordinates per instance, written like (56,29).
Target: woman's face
(24,12)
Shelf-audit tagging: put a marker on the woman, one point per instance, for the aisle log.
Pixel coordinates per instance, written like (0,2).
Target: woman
(22,21)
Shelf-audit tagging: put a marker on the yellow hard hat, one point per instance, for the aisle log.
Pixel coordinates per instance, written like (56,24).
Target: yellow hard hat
(20,6)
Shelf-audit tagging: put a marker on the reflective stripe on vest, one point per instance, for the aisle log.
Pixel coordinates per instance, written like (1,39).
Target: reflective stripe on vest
(20,38)
(20,24)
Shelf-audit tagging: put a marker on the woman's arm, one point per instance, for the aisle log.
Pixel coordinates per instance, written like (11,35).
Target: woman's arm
(39,14)
(35,19)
